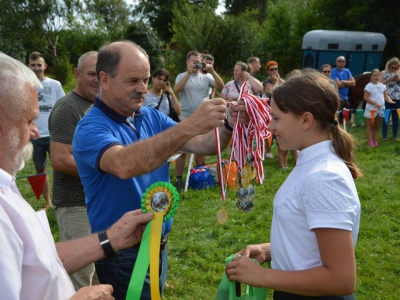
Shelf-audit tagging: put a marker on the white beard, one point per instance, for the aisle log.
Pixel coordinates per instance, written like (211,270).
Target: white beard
(23,156)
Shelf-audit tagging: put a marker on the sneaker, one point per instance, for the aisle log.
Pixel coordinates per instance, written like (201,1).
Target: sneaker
(179,186)
(269,155)
(353,124)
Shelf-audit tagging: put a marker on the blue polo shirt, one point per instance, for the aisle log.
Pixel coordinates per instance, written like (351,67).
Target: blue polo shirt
(345,74)
(108,197)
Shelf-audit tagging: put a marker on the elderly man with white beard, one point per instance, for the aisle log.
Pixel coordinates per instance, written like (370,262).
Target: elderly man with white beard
(31,265)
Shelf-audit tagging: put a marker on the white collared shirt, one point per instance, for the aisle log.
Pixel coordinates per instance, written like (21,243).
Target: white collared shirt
(319,193)
(29,265)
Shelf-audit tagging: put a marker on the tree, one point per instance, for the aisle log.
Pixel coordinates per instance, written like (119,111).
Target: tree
(228,39)
(236,7)
(159,13)
(113,15)
(38,21)
(143,35)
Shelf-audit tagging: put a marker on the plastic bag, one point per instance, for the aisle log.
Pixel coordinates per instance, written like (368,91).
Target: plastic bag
(227,289)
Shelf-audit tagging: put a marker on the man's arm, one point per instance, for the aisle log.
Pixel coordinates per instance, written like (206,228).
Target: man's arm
(350,82)
(62,159)
(147,155)
(217,83)
(205,144)
(180,85)
(125,233)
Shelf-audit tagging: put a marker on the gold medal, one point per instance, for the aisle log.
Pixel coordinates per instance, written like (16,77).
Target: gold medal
(245,183)
(222,216)
(247,172)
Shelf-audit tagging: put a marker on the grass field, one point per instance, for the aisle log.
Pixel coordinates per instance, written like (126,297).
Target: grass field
(198,245)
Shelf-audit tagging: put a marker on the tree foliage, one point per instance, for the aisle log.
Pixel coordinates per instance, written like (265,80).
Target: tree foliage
(159,13)
(237,7)
(143,35)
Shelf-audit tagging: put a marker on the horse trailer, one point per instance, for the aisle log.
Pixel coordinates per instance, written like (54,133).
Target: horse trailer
(362,50)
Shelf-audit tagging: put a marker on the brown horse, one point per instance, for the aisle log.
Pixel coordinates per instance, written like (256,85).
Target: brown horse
(356,93)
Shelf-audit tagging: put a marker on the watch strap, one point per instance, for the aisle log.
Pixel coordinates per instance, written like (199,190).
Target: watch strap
(227,126)
(105,244)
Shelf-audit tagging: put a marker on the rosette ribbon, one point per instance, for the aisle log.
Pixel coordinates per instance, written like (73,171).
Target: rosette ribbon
(161,199)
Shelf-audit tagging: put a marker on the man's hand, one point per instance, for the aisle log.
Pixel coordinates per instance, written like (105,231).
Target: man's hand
(128,230)
(209,115)
(96,292)
(236,108)
(190,68)
(209,68)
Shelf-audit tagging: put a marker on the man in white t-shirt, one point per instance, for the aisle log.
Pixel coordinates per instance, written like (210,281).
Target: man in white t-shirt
(31,265)
(193,89)
(50,92)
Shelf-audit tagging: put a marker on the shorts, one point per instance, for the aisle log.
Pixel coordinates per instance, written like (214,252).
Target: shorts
(40,147)
(378,113)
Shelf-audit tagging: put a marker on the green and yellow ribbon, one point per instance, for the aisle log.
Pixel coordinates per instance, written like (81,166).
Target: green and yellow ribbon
(161,199)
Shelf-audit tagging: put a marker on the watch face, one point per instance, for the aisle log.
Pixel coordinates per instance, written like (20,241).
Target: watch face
(159,201)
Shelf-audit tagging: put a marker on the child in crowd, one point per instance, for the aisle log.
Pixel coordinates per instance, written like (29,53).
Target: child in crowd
(375,95)
(316,211)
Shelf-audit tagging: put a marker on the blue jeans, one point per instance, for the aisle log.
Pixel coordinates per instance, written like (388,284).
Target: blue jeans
(395,119)
(118,272)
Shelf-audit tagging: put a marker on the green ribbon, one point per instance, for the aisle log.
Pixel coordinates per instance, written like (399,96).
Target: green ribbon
(141,266)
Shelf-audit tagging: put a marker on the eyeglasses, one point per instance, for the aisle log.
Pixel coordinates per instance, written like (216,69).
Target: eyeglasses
(341,61)
(394,68)
(326,71)
(272,69)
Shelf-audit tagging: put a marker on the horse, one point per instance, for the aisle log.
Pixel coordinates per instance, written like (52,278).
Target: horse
(356,93)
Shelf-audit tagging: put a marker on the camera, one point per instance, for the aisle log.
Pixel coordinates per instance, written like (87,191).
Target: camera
(199,66)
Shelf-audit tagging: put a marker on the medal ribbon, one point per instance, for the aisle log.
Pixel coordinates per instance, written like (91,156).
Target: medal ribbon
(250,138)
(219,162)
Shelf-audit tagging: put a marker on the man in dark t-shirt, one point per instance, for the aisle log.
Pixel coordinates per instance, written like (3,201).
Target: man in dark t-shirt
(68,194)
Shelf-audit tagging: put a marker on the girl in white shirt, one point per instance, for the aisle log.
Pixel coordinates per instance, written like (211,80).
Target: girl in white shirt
(316,211)
(375,95)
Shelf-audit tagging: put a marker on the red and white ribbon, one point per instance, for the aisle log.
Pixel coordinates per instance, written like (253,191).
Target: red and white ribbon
(250,138)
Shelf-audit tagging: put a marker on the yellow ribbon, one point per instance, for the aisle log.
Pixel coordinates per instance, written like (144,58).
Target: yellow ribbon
(155,238)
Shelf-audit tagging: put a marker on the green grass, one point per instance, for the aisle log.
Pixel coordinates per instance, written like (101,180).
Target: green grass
(198,245)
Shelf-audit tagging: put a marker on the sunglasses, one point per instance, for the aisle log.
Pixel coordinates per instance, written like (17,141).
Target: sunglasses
(341,61)
(272,69)
(326,71)
(394,68)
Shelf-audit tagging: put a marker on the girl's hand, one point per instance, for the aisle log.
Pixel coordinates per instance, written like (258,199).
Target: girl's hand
(243,269)
(261,252)
(168,88)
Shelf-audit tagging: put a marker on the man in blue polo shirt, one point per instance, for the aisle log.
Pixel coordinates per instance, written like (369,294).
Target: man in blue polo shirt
(121,148)
(344,80)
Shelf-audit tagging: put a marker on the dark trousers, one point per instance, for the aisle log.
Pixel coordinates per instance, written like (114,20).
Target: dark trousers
(118,272)
(287,296)
(395,119)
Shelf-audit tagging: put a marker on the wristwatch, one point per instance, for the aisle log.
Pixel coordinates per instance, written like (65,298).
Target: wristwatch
(105,244)
(227,126)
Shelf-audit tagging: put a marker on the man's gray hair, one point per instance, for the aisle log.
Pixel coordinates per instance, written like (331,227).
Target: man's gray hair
(83,57)
(15,80)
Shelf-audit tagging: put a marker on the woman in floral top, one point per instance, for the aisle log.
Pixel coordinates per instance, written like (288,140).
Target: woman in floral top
(231,90)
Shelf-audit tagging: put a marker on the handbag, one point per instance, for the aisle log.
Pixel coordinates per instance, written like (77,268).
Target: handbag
(172,113)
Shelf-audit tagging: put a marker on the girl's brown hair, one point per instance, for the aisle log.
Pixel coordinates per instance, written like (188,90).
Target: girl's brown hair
(311,92)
